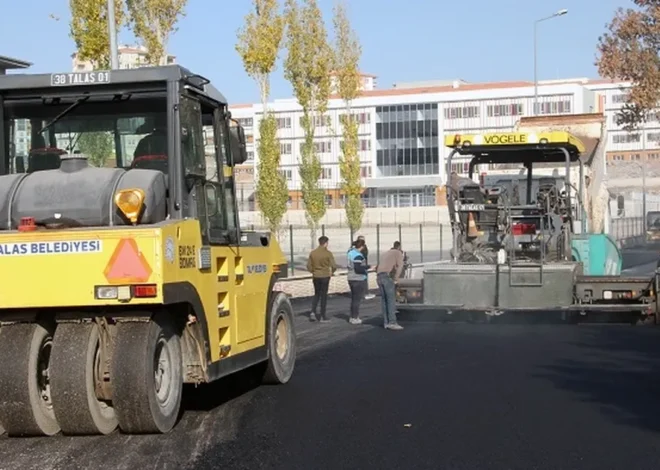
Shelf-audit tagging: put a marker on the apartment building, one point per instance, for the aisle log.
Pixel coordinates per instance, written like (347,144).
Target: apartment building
(401,132)
(638,145)
(129,57)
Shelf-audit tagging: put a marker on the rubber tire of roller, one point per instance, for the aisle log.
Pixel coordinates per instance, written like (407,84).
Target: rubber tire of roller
(21,410)
(134,385)
(76,407)
(280,369)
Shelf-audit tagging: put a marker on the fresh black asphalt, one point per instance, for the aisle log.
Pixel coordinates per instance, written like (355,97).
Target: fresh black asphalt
(437,396)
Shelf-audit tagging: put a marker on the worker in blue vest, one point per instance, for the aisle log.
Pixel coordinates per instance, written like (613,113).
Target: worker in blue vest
(357,279)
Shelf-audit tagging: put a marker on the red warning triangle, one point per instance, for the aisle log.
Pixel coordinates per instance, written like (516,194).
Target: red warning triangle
(127,264)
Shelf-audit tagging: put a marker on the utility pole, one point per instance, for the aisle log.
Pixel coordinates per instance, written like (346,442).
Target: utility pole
(112,35)
(536,82)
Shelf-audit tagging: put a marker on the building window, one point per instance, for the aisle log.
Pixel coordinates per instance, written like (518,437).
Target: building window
(554,107)
(462,112)
(620,98)
(408,140)
(250,156)
(460,168)
(625,138)
(288,174)
(284,123)
(496,110)
(364,145)
(326,173)
(365,172)
(246,122)
(361,118)
(653,137)
(653,116)
(319,121)
(285,149)
(319,147)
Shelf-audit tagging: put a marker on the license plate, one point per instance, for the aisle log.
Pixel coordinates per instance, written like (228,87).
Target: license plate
(78,78)
(471,207)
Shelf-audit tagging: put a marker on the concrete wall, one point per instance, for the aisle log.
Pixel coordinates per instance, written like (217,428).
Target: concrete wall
(372,217)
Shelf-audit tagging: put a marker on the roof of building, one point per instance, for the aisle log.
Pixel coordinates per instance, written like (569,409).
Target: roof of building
(124,49)
(8,63)
(462,86)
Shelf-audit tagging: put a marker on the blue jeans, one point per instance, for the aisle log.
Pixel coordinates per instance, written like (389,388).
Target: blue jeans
(388,297)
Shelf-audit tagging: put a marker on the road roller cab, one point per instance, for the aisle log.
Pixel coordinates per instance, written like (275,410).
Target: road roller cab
(124,272)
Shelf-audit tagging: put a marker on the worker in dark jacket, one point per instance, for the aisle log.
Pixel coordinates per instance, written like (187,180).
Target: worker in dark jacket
(365,252)
(357,279)
(321,263)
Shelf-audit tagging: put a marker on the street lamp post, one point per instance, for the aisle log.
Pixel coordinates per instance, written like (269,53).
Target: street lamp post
(642,166)
(112,35)
(536,82)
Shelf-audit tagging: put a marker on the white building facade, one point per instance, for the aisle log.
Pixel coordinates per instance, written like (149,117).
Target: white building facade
(402,132)
(129,57)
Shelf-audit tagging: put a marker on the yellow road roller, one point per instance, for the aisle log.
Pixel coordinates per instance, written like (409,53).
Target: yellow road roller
(124,272)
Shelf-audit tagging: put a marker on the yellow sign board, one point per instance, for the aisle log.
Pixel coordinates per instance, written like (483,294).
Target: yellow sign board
(514,138)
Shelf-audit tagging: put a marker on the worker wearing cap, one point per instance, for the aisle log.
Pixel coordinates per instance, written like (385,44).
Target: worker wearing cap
(365,252)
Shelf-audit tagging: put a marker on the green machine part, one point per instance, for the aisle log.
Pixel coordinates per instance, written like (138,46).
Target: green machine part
(598,253)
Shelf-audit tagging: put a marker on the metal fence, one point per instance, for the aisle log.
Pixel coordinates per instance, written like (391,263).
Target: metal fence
(423,243)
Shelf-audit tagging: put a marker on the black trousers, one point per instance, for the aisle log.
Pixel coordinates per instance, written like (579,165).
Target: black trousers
(358,290)
(321,285)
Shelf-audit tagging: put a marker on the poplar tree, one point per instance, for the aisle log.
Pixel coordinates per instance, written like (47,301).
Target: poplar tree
(154,21)
(307,67)
(259,43)
(89,29)
(347,73)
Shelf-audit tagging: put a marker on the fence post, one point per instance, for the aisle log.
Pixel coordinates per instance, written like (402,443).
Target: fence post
(400,241)
(441,232)
(293,263)
(377,243)
(421,244)
(323,229)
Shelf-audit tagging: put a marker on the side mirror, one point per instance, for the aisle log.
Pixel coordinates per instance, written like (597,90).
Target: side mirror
(237,143)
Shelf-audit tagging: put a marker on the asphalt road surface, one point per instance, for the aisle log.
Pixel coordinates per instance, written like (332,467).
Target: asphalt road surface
(436,396)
